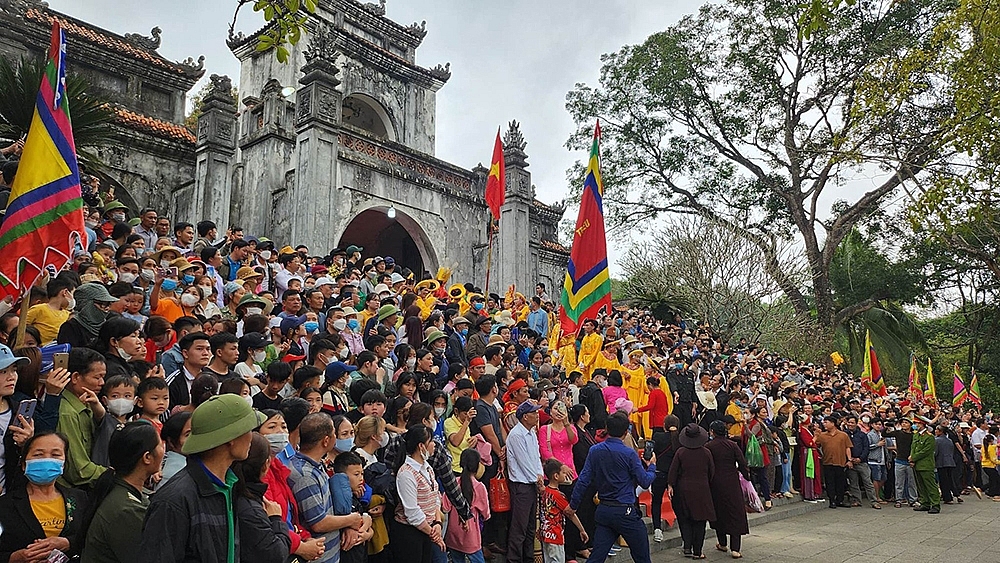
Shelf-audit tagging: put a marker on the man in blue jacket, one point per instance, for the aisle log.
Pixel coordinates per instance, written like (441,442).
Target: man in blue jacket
(614,470)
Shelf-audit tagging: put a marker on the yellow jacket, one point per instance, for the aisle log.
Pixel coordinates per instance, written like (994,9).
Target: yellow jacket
(990,456)
(590,348)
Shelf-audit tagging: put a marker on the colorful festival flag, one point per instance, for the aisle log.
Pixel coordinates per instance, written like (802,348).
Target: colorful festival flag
(959,394)
(974,390)
(44,219)
(930,394)
(587,289)
(914,388)
(871,377)
(496,182)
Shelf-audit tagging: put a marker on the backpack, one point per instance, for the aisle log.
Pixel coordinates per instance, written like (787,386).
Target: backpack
(382,481)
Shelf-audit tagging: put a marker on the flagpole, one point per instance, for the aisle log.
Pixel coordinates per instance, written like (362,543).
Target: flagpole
(489,258)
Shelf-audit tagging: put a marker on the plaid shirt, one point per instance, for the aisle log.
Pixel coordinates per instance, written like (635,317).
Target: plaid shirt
(440,461)
(311,486)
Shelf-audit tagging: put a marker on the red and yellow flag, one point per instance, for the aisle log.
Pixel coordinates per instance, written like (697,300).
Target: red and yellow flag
(587,289)
(496,182)
(872,375)
(930,393)
(915,389)
(44,219)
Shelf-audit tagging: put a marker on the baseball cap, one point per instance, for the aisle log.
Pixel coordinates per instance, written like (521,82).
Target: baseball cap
(336,370)
(290,323)
(218,420)
(324,281)
(7,357)
(526,407)
(253,341)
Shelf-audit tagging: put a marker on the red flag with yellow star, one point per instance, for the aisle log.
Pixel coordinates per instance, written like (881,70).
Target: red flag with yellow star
(496,182)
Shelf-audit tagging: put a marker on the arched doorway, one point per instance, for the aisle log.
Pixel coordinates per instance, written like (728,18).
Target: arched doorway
(365,113)
(400,237)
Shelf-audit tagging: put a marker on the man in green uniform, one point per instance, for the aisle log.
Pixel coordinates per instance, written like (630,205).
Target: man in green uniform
(922,461)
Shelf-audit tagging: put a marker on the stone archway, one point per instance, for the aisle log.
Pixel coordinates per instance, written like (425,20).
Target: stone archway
(400,237)
(366,113)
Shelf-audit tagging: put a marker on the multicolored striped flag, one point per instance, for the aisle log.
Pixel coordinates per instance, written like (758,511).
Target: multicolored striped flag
(974,395)
(959,394)
(930,393)
(915,390)
(587,289)
(871,377)
(44,219)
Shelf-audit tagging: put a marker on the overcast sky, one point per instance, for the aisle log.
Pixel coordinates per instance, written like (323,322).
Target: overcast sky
(510,60)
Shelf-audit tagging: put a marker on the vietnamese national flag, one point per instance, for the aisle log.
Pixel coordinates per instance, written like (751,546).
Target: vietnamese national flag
(496,182)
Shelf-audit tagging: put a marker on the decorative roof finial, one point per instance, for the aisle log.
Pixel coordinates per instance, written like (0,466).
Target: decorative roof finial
(377,9)
(140,40)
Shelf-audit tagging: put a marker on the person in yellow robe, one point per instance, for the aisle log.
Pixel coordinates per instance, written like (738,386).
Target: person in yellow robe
(590,348)
(634,379)
(608,358)
(520,309)
(425,297)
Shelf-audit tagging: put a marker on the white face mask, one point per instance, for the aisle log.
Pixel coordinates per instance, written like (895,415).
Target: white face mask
(254,310)
(345,353)
(330,360)
(410,363)
(277,442)
(148,275)
(127,277)
(259,356)
(164,263)
(439,411)
(340,324)
(384,440)
(551,396)
(249,400)
(265,254)
(123,354)
(72,304)
(189,300)
(121,407)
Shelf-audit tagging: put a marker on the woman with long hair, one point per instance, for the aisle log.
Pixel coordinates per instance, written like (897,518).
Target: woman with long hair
(406,360)
(112,526)
(580,417)
(396,414)
(263,534)
(425,374)
(464,540)
(411,332)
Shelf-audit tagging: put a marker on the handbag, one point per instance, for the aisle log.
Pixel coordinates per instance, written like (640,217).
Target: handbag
(750,498)
(499,492)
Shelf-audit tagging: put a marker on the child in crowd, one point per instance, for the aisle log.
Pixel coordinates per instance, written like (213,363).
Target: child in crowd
(153,399)
(350,494)
(133,304)
(465,543)
(118,396)
(313,397)
(554,508)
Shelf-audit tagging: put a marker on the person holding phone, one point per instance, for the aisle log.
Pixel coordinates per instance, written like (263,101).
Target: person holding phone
(16,425)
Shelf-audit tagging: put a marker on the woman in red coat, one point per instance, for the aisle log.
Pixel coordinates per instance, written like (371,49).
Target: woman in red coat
(812,483)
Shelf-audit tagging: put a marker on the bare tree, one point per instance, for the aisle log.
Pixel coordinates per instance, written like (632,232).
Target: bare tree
(708,270)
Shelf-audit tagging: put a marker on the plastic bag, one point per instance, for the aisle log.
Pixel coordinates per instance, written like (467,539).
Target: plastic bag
(750,498)
(754,455)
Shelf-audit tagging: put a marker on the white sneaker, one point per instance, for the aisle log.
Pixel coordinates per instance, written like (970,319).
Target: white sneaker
(789,495)
(657,535)
(615,550)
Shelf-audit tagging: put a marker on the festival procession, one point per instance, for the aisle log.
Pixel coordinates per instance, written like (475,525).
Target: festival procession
(396,359)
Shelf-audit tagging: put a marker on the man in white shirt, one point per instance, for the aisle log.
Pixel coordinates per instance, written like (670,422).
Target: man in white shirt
(527,479)
(976,439)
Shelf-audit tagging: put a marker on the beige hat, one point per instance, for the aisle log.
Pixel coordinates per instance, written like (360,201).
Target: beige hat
(707,400)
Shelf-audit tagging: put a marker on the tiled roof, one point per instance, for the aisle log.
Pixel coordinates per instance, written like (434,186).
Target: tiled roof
(155,127)
(552,245)
(103,38)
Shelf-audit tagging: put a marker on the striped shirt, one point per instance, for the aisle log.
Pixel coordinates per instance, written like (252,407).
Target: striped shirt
(311,486)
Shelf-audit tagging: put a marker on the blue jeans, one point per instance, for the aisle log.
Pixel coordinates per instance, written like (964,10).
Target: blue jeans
(624,521)
(456,556)
(438,556)
(786,475)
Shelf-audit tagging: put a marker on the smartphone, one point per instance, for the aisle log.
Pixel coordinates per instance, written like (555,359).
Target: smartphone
(647,453)
(60,360)
(25,409)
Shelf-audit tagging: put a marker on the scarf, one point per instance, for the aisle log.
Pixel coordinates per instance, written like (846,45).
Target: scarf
(89,316)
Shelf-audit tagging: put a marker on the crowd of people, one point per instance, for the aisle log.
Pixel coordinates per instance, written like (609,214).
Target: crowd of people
(191,396)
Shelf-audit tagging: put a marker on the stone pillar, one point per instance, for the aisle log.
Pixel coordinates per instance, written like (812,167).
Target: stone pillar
(317,116)
(214,154)
(513,253)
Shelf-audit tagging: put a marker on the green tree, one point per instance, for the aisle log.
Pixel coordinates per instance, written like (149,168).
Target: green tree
(91,116)
(734,114)
(286,23)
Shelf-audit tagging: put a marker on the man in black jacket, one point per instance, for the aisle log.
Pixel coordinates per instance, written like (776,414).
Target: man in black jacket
(592,397)
(194,519)
(455,351)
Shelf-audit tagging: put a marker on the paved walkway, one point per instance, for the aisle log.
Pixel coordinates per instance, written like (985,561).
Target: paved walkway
(962,532)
